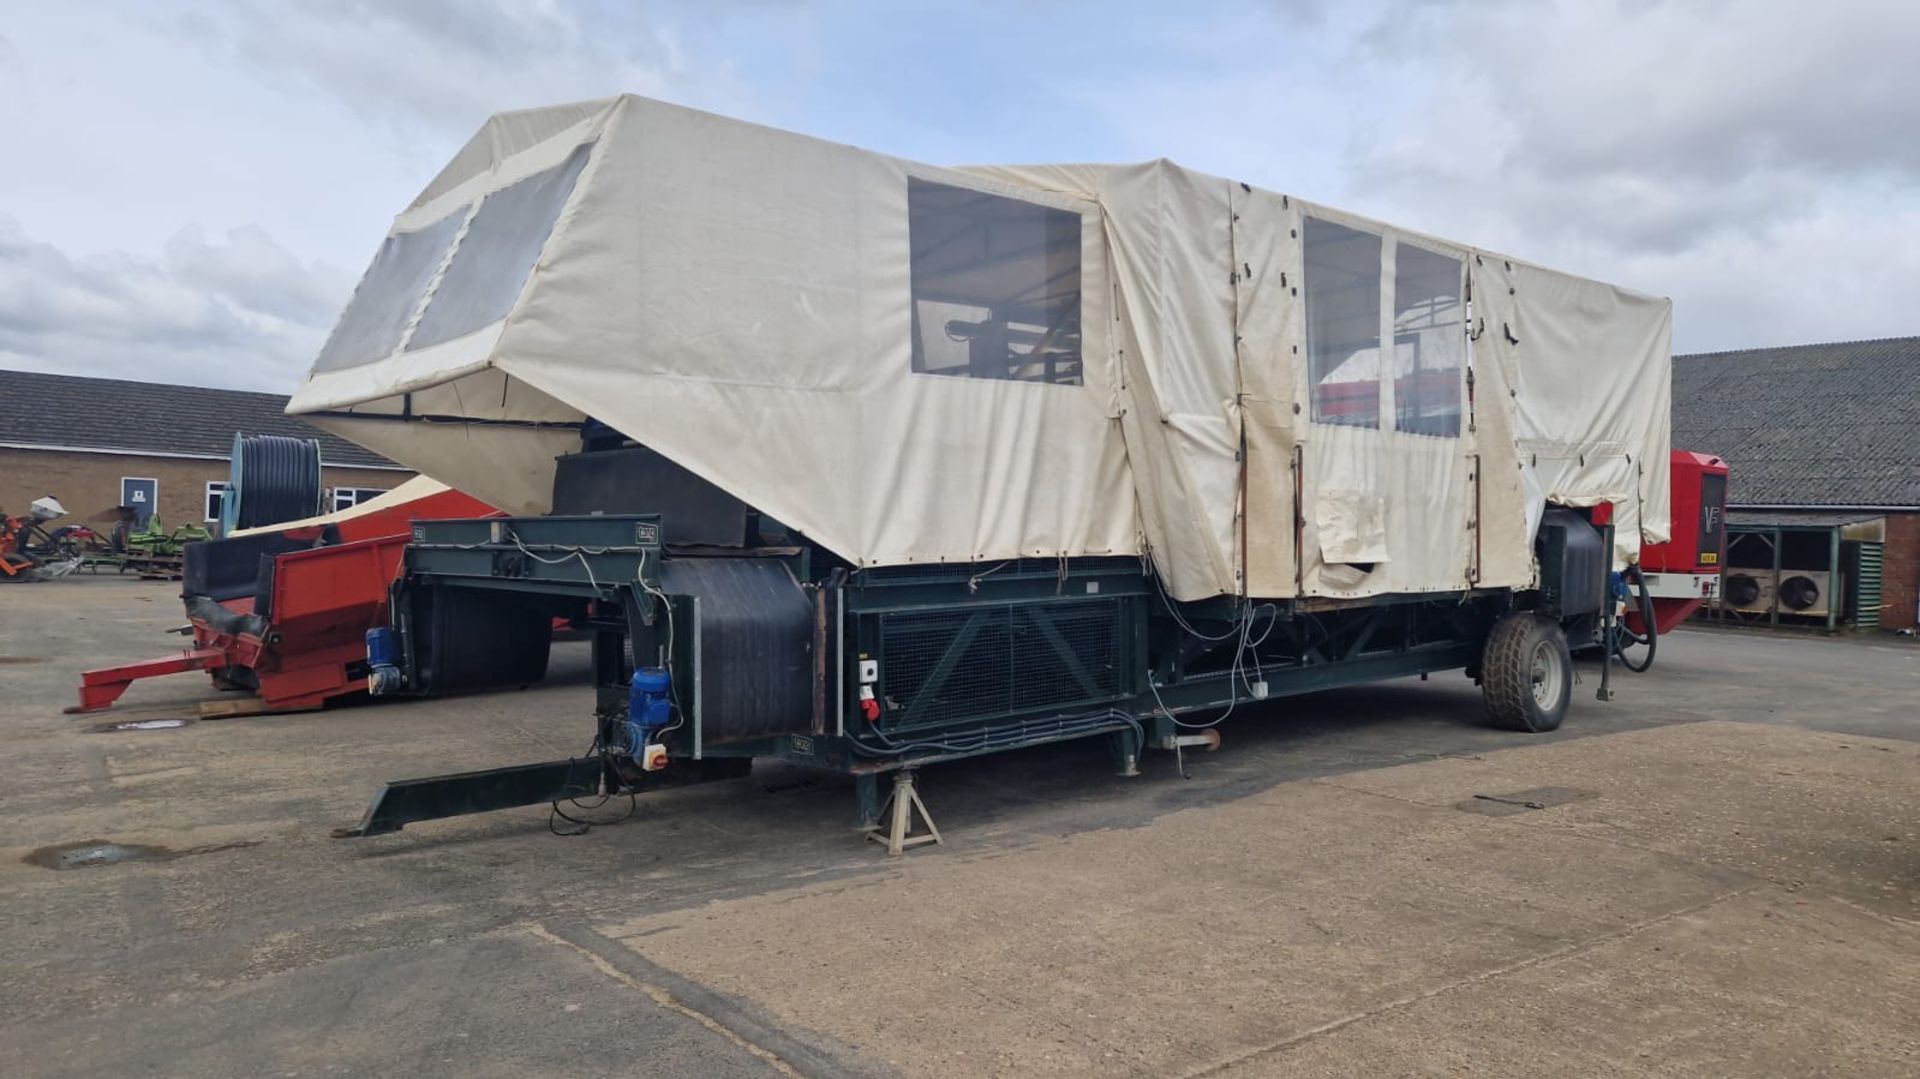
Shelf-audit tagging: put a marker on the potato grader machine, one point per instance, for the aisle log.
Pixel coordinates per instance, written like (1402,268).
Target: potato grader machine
(866,464)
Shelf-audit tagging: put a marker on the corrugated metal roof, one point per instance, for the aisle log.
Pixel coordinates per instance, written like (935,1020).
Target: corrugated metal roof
(1798,519)
(150,417)
(1807,425)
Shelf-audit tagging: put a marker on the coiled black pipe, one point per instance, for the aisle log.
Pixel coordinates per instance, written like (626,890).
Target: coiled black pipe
(273,479)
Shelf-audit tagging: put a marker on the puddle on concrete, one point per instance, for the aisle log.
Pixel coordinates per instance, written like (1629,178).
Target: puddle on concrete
(93,853)
(15,661)
(137,725)
(1507,805)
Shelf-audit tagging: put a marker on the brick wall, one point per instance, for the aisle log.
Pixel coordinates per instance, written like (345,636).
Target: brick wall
(1901,573)
(88,483)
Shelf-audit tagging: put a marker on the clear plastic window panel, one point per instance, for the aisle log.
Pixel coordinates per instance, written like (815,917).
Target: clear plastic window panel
(996,286)
(371,326)
(497,253)
(1429,342)
(1343,323)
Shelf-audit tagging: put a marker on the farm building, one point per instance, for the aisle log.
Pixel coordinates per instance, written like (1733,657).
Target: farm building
(1823,508)
(97,443)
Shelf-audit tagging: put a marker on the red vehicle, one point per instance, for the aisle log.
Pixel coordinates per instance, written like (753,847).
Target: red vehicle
(1674,579)
(1683,574)
(283,611)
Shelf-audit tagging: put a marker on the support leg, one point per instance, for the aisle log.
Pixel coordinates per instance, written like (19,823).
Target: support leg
(866,797)
(1125,744)
(904,803)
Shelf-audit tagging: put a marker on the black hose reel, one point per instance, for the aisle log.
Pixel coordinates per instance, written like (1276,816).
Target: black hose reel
(273,479)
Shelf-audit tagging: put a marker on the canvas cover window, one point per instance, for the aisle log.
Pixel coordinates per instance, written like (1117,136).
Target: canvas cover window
(1343,323)
(995,284)
(371,326)
(1429,341)
(497,253)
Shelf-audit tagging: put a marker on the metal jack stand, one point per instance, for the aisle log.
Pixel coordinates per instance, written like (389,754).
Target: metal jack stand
(904,801)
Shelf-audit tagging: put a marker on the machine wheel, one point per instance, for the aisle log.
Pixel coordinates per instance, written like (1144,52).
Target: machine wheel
(1526,674)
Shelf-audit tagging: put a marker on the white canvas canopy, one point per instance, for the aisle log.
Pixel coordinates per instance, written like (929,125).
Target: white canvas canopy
(914,364)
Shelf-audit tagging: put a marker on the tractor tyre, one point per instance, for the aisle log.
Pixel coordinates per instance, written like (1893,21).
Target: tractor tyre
(1526,674)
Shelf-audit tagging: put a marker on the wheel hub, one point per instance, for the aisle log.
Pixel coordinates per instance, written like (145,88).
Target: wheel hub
(1545,675)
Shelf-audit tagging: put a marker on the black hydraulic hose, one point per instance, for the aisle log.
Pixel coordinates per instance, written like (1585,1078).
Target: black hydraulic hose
(1622,636)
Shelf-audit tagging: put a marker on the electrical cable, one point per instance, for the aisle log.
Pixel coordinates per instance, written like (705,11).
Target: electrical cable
(580,553)
(673,691)
(1004,736)
(582,824)
(973,582)
(1237,674)
(596,750)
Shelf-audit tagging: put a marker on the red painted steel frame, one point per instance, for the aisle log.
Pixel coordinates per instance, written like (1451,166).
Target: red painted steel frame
(100,687)
(323,602)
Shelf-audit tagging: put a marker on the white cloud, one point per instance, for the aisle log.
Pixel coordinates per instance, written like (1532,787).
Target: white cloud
(1757,161)
(1745,159)
(242,313)
(446,65)
(289,132)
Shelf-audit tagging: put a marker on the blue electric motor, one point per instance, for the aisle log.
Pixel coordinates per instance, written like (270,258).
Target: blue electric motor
(383,663)
(649,706)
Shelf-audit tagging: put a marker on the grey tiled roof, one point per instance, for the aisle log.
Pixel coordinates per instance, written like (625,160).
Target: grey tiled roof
(149,417)
(1802,518)
(1807,425)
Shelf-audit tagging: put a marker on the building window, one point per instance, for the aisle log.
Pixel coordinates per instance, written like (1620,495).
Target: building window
(1343,324)
(996,286)
(216,494)
(349,497)
(1429,341)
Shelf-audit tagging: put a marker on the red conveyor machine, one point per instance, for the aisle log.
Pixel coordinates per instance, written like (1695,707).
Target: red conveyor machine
(283,612)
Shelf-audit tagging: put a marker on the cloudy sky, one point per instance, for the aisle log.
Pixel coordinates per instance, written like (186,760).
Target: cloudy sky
(189,191)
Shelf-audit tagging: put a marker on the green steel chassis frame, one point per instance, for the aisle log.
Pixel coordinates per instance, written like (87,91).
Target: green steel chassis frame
(1092,648)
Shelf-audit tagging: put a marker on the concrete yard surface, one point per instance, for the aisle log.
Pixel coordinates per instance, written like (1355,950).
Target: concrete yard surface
(1716,874)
